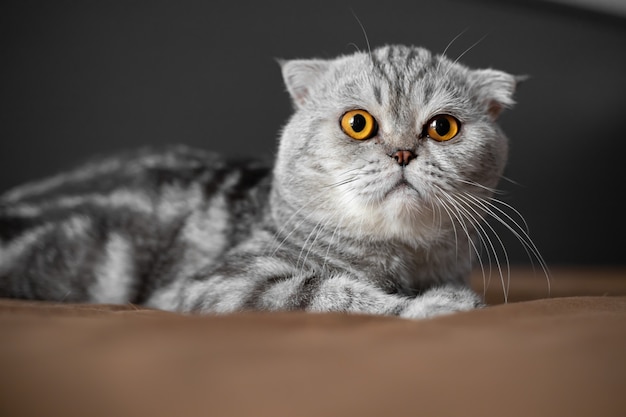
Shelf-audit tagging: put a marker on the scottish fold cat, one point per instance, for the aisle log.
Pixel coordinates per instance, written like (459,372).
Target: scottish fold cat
(373,205)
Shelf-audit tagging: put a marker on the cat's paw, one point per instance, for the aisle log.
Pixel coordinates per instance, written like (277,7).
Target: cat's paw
(440,301)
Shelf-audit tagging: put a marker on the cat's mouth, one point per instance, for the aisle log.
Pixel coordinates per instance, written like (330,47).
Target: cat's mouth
(402,186)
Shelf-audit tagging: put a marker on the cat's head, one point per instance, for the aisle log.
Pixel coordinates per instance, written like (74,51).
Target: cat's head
(389,144)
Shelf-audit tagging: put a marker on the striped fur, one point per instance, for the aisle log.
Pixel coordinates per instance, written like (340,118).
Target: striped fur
(325,227)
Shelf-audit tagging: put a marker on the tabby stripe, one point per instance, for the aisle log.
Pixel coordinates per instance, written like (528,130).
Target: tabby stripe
(114,275)
(62,273)
(346,294)
(377,94)
(217,181)
(131,199)
(217,295)
(164,259)
(78,176)
(286,292)
(17,250)
(13,226)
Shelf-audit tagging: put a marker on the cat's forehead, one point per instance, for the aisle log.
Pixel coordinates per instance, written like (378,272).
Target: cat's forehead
(398,77)
(399,57)
(393,61)
(401,75)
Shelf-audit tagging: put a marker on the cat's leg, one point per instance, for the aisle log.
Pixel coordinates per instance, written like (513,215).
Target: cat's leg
(269,285)
(442,300)
(220,294)
(348,294)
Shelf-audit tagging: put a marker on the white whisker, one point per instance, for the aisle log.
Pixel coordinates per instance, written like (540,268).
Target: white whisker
(461,222)
(484,187)
(330,242)
(510,207)
(367,41)
(284,227)
(518,231)
(452,41)
(450,215)
(443,54)
(355,46)
(505,287)
(512,181)
(470,48)
(482,235)
(463,53)
(314,231)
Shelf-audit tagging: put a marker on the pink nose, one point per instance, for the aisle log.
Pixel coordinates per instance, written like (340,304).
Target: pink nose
(403,157)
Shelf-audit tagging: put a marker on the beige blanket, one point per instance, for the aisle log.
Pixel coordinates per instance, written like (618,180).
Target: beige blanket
(563,356)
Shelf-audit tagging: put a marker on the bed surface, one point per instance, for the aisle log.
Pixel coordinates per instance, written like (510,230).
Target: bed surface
(534,356)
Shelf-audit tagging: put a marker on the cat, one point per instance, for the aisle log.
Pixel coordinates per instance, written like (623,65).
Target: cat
(372,205)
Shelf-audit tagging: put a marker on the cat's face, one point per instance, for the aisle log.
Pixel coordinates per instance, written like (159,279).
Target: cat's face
(389,144)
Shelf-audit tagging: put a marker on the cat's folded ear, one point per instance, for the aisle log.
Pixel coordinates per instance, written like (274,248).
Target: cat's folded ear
(495,89)
(300,77)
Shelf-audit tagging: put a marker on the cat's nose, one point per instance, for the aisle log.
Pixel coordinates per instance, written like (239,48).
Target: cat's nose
(403,157)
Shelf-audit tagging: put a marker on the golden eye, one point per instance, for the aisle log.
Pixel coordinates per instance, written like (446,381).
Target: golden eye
(442,127)
(358,124)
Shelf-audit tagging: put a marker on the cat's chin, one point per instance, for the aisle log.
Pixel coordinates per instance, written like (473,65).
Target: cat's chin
(401,216)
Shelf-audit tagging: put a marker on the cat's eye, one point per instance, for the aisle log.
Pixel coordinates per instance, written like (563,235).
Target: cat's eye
(359,124)
(442,127)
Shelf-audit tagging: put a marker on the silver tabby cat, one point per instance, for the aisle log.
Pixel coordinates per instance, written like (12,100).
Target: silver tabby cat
(372,206)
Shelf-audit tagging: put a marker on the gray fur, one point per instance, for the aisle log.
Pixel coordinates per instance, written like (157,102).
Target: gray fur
(322,229)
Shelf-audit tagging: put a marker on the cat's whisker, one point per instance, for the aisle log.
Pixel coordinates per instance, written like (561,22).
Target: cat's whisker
(436,211)
(474,223)
(489,205)
(478,185)
(367,41)
(342,182)
(306,243)
(320,227)
(521,233)
(285,225)
(452,216)
(471,206)
(476,227)
(512,181)
(368,202)
(493,200)
(461,223)
(332,239)
(485,242)
(440,216)
(443,54)
(518,231)
(355,46)
(472,46)
(287,236)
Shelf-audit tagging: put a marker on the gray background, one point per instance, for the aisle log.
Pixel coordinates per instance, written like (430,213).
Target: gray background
(81,78)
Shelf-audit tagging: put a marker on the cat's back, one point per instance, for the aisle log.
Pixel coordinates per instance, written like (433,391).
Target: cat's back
(145,169)
(136,214)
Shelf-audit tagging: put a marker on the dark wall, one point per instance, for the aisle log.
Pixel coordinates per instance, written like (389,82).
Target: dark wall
(78,78)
